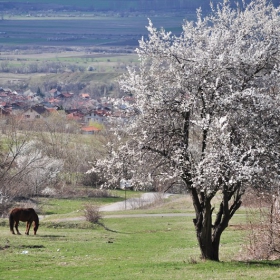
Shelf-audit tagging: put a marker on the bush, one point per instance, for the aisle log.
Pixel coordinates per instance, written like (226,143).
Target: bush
(263,241)
(92,180)
(92,213)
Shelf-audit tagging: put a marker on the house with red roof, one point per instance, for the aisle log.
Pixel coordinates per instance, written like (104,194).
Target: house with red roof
(89,130)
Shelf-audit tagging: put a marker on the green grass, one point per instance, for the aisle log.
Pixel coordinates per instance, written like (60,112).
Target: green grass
(139,248)
(142,248)
(74,206)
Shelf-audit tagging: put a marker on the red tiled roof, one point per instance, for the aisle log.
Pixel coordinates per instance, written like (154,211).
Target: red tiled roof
(73,116)
(90,128)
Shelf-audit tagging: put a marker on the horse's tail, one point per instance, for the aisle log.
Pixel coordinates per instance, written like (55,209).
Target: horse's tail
(11,222)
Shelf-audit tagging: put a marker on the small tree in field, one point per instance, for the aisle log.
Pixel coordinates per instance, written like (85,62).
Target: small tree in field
(209,112)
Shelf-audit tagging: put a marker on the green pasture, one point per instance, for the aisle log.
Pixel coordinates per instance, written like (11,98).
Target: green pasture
(100,62)
(74,206)
(162,247)
(71,206)
(101,58)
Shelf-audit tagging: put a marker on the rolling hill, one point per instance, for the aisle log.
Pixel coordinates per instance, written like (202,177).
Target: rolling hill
(109,5)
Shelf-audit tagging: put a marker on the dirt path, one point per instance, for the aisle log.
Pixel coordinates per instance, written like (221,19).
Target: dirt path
(130,204)
(135,203)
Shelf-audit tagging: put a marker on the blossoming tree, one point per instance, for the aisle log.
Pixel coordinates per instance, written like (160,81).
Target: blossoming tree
(208,113)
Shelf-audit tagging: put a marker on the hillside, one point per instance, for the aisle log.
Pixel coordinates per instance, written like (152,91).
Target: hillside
(32,30)
(104,5)
(108,5)
(91,23)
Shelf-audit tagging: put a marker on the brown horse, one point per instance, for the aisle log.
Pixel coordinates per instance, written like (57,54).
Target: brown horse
(27,215)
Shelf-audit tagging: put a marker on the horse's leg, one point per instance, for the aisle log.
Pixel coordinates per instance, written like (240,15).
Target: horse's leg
(35,228)
(13,232)
(16,226)
(12,223)
(12,227)
(28,225)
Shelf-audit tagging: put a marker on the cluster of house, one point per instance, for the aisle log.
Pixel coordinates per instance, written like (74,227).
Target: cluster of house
(79,107)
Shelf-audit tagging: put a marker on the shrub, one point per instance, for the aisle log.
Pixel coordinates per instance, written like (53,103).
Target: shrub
(264,228)
(92,213)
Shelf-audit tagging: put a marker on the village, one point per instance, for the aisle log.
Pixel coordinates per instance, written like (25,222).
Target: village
(92,115)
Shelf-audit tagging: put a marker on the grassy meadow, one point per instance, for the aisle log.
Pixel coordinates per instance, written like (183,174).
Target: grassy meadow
(139,247)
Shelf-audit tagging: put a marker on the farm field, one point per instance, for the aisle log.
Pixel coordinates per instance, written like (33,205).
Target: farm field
(101,62)
(107,67)
(149,247)
(81,30)
(73,41)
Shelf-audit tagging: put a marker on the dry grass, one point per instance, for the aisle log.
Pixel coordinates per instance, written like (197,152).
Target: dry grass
(177,203)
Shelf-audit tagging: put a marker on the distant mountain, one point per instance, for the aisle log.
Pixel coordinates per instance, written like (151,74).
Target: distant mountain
(110,5)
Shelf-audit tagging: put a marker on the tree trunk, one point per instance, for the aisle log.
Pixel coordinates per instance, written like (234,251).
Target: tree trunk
(208,234)
(209,245)
(208,239)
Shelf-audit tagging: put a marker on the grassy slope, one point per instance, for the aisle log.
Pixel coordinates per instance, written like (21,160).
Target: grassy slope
(142,248)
